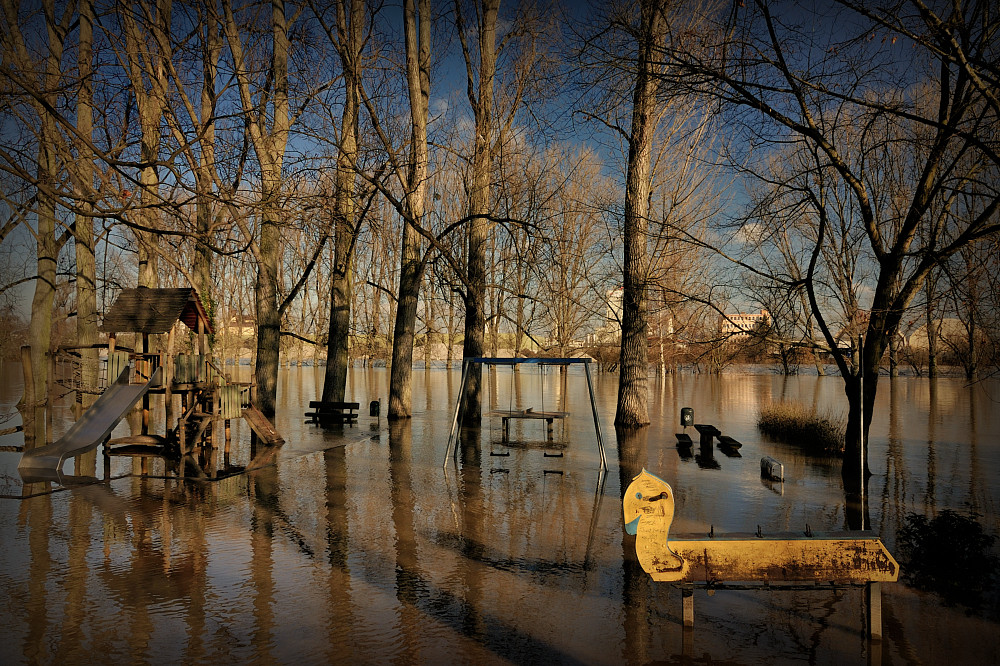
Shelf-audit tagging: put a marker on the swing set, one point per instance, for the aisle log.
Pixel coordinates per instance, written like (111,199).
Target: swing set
(506,416)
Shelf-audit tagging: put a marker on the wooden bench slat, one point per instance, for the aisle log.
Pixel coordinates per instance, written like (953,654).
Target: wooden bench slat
(319,404)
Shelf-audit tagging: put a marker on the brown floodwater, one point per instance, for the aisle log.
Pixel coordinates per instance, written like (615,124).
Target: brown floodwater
(362,545)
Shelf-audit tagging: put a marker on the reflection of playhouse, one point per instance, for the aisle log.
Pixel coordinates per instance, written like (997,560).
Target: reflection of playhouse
(207,396)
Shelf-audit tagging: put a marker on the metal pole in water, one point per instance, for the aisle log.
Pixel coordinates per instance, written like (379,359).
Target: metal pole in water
(861,434)
(458,412)
(597,419)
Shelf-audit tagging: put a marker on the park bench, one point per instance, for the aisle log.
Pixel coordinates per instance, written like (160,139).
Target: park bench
(332,412)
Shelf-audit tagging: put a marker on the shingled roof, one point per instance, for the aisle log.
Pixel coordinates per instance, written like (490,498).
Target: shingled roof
(145,310)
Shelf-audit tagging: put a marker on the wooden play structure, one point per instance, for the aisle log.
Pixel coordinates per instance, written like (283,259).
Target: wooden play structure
(803,561)
(209,399)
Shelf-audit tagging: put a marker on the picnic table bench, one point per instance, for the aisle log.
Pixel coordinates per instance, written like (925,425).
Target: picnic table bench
(507,415)
(330,412)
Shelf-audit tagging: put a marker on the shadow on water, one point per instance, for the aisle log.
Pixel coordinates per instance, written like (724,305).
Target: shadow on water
(416,590)
(950,555)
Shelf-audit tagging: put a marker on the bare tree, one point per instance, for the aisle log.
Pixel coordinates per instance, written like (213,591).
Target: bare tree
(268,121)
(633,362)
(845,100)
(481,101)
(417,33)
(41,81)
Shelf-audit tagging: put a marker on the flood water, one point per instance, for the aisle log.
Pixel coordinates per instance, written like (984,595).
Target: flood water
(359,545)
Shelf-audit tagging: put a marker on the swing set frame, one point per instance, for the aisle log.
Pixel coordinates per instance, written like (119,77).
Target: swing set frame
(469,361)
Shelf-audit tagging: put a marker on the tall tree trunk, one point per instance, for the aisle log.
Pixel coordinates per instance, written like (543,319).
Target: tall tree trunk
(633,396)
(417,29)
(932,329)
(350,32)
(269,145)
(40,325)
(479,199)
(47,247)
(266,297)
(86,264)
(149,104)
(211,51)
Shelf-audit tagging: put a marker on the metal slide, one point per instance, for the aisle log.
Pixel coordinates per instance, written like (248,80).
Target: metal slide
(94,427)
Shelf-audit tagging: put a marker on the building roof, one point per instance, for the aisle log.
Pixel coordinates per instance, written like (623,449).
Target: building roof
(150,311)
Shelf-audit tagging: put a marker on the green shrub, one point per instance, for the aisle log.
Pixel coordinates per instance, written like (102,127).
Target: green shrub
(794,423)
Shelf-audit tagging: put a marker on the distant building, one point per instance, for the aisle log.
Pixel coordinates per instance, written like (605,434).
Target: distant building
(950,331)
(740,326)
(610,332)
(614,297)
(241,326)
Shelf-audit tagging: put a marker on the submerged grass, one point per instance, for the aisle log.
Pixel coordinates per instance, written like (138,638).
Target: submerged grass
(794,423)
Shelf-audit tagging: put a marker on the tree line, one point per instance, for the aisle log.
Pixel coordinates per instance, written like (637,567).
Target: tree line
(353,172)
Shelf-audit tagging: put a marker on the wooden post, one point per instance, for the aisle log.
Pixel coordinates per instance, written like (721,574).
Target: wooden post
(50,382)
(687,602)
(27,405)
(167,377)
(873,604)
(107,461)
(145,374)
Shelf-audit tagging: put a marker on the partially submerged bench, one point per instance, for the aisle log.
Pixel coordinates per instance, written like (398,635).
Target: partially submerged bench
(796,561)
(507,415)
(707,432)
(332,412)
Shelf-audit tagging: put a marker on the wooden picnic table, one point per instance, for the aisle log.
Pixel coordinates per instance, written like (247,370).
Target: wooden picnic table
(328,412)
(507,415)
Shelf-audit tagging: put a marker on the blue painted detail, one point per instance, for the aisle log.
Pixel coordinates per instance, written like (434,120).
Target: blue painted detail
(633,525)
(638,495)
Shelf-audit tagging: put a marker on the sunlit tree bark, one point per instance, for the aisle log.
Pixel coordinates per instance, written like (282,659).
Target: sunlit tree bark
(481,101)
(269,140)
(350,29)
(633,398)
(417,31)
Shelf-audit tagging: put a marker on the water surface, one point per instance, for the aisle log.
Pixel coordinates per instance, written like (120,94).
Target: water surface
(359,545)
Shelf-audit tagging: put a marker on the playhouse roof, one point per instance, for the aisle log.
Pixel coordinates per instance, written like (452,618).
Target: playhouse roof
(150,311)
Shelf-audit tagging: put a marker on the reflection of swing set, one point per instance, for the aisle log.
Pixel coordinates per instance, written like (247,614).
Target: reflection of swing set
(525,414)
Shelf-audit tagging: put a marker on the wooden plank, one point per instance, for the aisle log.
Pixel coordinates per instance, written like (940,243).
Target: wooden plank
(845,558)
(727,442)
(319,404)
(230,401)
(263,428)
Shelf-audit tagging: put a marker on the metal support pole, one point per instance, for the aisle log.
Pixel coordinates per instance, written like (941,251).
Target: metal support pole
(597,419)
(453,433)
(861,433)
